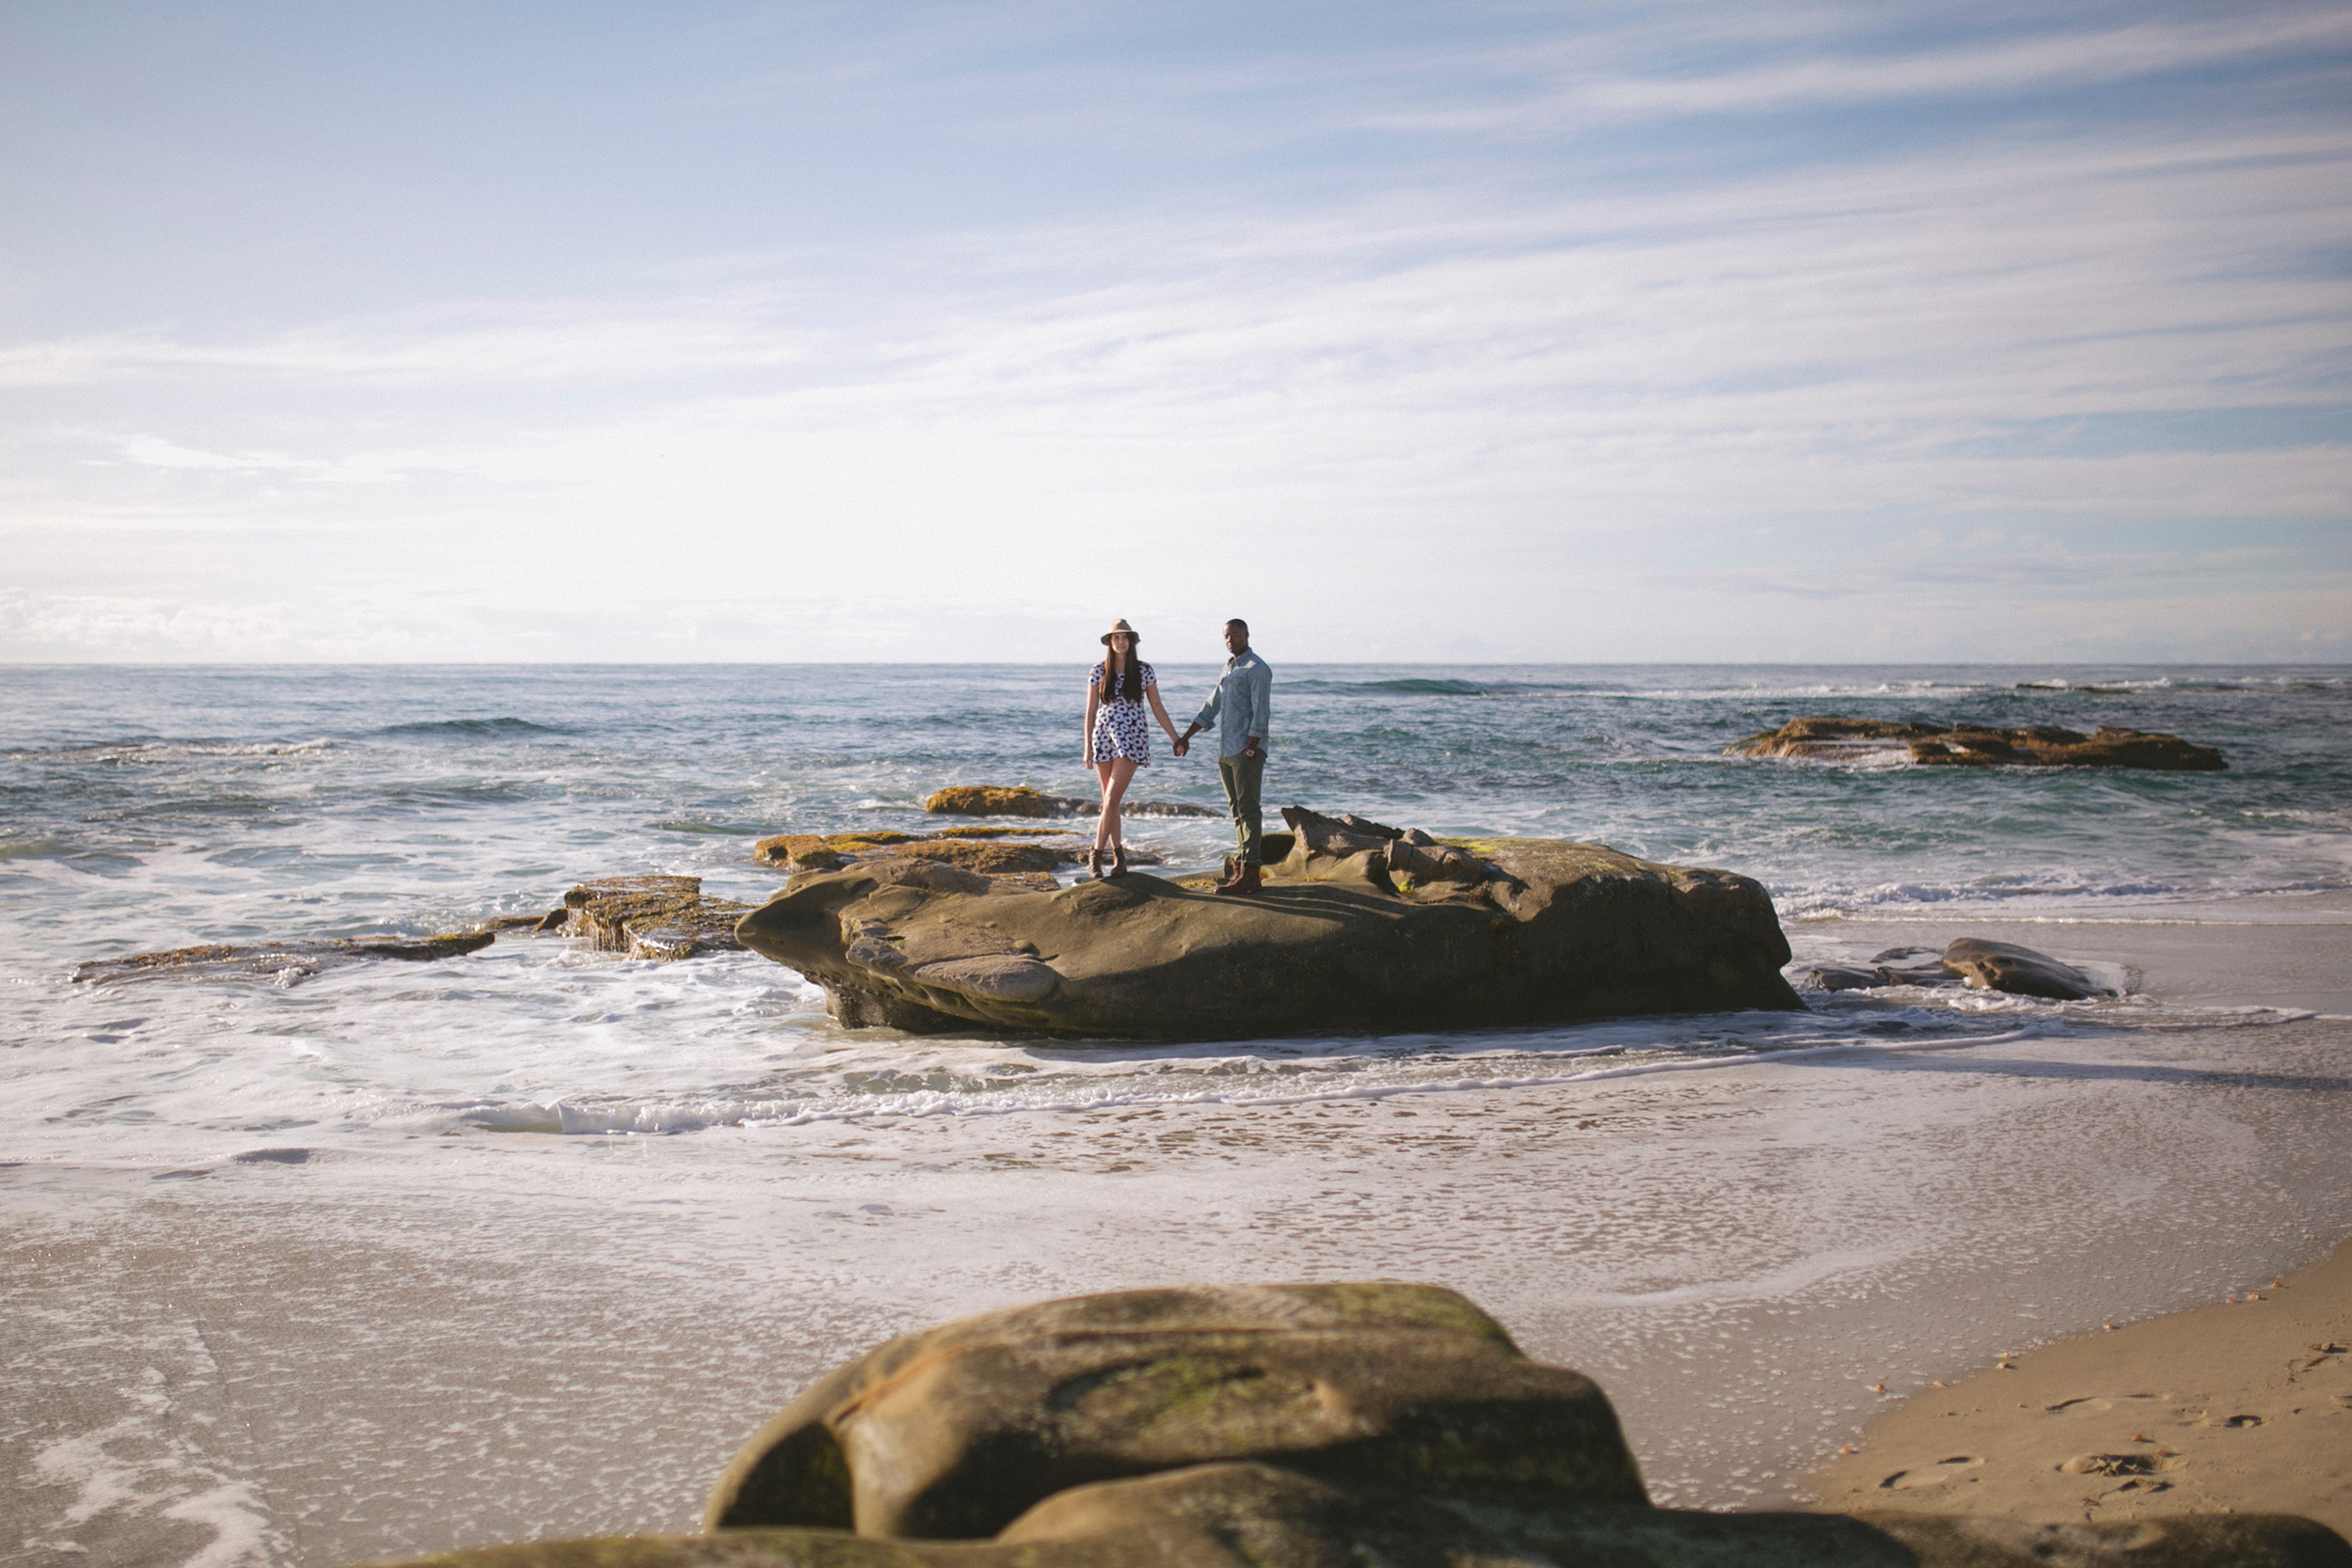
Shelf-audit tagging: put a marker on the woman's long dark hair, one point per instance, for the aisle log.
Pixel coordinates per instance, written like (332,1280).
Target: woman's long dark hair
(1125,683)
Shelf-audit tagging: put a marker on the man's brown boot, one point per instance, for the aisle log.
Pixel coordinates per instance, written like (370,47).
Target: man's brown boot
(1244,880)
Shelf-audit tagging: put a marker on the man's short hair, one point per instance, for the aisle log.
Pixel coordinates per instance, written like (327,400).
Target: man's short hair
(1237,620)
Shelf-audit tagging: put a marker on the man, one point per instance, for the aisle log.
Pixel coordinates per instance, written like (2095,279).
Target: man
(1238,710)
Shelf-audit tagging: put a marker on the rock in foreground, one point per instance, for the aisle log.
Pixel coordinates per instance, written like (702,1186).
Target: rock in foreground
(1977,745)
(1021,800)
(1287,1426)
(956,1432)
(1361,926)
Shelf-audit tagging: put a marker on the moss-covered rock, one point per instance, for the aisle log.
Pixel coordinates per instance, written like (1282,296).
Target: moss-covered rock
(954,1431)
(1021,800)
(649,916)
(994,851)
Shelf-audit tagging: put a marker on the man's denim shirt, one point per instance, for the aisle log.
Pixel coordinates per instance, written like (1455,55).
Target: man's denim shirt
(1237,708)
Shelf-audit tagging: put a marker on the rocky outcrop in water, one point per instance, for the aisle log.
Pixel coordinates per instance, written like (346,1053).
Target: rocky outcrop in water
(1972,961)
(1021,800)
(647,917)
(640,917)
(283,961)
(1360,926)
(2020,970)
(1304,1426)
(1978,745)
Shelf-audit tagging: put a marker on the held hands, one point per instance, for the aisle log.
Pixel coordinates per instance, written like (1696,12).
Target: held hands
(1181,745)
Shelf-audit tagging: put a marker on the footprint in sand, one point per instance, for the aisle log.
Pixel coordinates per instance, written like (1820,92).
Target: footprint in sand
(1930,1475)
(2240,1421)
(2112,1464)
(2087,1403)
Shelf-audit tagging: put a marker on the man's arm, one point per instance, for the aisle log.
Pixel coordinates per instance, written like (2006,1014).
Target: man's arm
(1209,710)
(1261,700)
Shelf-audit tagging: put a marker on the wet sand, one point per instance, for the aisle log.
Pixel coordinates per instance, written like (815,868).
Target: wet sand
(409,1344)
(2245,1407)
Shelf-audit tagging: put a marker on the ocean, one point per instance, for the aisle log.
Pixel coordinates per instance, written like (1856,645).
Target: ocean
(442,1114)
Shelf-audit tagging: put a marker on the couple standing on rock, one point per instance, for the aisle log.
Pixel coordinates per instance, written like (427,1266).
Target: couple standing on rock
(1118,742)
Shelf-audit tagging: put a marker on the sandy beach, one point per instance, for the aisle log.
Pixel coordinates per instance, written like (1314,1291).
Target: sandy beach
(361,1354)
(2241,1407)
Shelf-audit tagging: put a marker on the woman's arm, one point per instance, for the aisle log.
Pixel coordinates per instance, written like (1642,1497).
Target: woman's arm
(1159,710)
(1094,701)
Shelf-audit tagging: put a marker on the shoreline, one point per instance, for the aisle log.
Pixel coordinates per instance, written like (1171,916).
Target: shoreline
(2241,1406)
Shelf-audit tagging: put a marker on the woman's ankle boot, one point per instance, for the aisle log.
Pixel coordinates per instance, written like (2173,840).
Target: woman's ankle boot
(1119,860)
(1094,863)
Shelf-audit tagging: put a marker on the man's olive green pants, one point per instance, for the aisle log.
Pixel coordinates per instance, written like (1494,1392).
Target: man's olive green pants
(1242,773)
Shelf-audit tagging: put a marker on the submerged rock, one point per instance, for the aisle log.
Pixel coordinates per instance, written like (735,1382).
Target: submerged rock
(283,962)
(1978,745)
(1304,1426)
(2002,966)
(1021,800)
(647,917)
(1971,960)
(1360,926)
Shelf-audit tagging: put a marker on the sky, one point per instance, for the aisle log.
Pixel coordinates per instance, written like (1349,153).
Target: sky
(1451,332)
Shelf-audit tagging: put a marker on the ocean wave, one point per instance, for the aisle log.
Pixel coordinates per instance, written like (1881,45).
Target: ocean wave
(1944,899)
(1411,687)
(469,728)
(1062,1094)
(152,751)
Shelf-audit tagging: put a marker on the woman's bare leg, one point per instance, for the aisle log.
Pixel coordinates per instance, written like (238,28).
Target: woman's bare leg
(1110,810)
(1116,775)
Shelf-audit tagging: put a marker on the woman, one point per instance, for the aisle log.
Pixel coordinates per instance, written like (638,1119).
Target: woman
(1116,741)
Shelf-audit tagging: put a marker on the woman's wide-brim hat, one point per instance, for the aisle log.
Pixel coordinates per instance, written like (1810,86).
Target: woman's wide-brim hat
(1119,626)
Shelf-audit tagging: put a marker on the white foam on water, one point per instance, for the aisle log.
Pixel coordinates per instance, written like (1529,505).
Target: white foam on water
(140,1465)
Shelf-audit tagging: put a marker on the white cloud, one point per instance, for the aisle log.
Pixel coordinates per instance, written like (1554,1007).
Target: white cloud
(1526,376)
(2074,57)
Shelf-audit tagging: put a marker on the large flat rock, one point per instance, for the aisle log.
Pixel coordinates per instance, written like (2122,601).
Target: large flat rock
(1360,926)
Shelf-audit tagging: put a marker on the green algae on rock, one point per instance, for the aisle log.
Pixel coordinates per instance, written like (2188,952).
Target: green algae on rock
(954,1431)
(647,917)
(1356,928)
(993,852)
(1021,800)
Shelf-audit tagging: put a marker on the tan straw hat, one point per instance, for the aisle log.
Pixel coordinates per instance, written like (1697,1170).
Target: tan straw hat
(1134,637)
